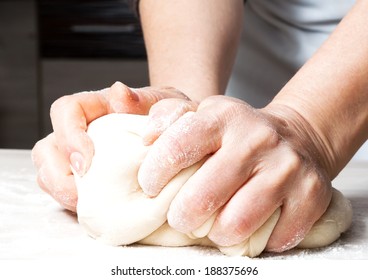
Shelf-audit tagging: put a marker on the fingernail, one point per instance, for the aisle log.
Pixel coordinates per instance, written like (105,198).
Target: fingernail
(77,163)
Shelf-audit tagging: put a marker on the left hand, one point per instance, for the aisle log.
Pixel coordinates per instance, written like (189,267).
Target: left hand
(69,144)
(258,160)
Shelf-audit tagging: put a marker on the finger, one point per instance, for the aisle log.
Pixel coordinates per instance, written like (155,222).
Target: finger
(54,174)
(298,215)
(246,211)
(184,143)
(70,116)
(163,114)
(207,191)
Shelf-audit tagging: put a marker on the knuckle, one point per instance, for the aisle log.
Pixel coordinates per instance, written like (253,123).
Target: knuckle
(209,101)
(223,104)
(187,141)
(313,181)
(35,155)
(260,142)
(118,91)
(317,187)
(118,84)
(292,162)
(38,150)
(271,137)
(175,153)
(176,92)
(288,168)
(267,137)
(59,104)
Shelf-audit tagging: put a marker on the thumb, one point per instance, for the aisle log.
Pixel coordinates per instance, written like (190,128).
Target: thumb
(70,116)
(123,99)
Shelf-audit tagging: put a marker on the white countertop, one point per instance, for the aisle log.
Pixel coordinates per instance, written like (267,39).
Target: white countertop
(34,226)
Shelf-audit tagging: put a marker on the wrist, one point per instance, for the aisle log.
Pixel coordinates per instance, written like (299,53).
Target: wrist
(328,98)
(303,136)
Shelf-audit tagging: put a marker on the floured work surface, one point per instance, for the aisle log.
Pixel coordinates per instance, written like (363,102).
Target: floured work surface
(34,226)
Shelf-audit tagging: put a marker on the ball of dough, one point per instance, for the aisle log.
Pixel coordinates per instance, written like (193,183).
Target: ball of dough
(112,207)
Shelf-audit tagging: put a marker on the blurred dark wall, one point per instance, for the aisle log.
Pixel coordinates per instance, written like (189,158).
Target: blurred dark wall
(52,48)
(104,28)
(19,125)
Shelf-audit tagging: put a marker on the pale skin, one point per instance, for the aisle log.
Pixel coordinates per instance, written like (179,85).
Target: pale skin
(284,155)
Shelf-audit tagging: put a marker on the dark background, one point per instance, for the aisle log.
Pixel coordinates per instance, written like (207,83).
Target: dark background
(52,48)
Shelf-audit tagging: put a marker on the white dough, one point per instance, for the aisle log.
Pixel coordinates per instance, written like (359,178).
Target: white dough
(113,208)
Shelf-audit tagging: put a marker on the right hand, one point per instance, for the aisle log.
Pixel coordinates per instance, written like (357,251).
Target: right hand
(69,144)
(257,160)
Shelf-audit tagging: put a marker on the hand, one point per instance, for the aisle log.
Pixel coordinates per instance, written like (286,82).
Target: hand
(69,144)
(258,160)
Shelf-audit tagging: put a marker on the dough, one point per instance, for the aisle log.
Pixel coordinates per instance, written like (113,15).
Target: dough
(112,207)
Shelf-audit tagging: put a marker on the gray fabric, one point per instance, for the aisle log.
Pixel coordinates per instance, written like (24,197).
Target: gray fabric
(278,37)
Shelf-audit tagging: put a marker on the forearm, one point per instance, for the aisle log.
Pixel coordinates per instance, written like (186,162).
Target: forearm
(191,44)
(330,91)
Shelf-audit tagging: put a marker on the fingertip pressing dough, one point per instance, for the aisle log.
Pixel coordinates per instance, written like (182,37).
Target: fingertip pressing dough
(113,209)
